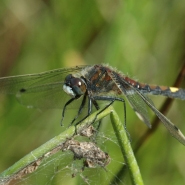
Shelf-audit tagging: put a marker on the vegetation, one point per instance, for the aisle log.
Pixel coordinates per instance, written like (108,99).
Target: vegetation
(144,39)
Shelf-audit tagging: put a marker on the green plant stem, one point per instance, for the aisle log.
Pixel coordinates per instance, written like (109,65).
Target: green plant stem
(126,149)
(46,149)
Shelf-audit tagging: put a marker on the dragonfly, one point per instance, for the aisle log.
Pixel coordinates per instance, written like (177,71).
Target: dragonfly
(91,85)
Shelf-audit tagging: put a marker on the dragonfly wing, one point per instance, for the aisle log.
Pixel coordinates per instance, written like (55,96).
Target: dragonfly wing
(134,99)
(44,97)
(43,90)
(139,101)
(139,106)
(175,132)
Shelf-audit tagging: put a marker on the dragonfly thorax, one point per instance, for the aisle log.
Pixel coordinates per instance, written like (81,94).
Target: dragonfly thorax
(73,86)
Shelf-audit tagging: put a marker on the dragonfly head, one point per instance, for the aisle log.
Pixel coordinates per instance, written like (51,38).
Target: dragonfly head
(73,86)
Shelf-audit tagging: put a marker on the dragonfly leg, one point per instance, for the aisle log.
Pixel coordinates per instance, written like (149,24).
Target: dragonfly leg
(103,98)
(112,99)
(97,108)
(80,109)
(89,110)
(66,104)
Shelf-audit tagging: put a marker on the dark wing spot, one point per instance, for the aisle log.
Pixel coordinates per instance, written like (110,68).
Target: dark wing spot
(22,90)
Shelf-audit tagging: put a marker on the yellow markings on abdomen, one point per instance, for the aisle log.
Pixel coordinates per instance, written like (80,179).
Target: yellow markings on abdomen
(173,89)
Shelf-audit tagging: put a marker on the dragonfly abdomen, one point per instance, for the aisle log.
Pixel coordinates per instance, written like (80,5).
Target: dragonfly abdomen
(171,92)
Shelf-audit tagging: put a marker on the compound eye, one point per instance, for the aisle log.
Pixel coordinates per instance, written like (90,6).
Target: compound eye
(78,86)
(68,79)
(76,82)
(74,86)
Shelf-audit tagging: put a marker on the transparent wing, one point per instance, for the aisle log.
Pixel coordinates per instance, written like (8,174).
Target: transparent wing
(43,90)
(139,102)
(139,106)
(175,132)
(134,99)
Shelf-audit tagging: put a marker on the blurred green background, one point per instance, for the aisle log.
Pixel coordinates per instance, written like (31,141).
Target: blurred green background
(145,39)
